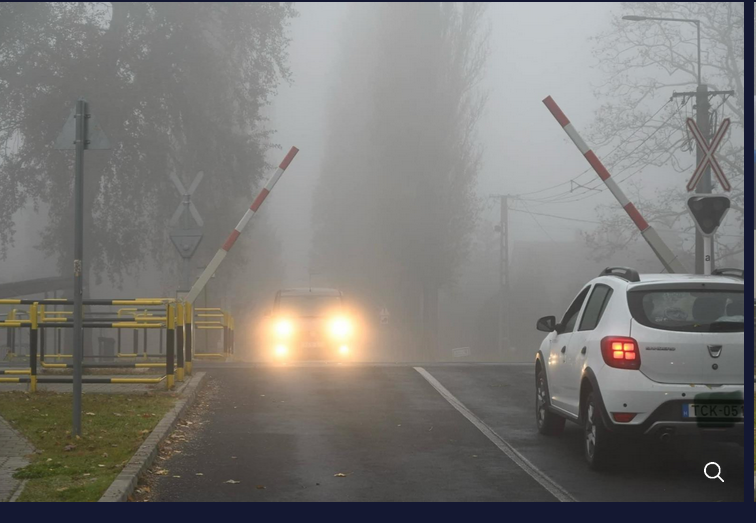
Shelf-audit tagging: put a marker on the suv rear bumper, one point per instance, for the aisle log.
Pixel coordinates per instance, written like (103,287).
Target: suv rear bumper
(659,407)
(734,432)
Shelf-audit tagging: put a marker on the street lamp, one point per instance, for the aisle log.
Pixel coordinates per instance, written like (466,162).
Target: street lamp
(701,94)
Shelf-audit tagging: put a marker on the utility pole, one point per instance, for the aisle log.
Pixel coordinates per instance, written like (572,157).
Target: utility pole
(503,230)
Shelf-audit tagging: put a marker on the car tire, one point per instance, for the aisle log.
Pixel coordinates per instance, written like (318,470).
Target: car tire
(597,440)
(548,423)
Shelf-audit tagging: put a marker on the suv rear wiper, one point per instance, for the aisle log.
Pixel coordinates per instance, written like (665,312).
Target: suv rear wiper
(725,326)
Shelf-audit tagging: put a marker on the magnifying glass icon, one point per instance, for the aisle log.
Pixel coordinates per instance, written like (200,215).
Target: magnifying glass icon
(715,476)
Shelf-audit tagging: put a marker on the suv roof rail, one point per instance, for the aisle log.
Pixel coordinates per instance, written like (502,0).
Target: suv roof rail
(626,273)
(729,271)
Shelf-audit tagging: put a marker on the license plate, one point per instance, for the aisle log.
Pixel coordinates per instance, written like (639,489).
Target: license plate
(703,410)
(312,345)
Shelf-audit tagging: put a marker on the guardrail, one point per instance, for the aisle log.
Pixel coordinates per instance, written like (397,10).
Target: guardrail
(172,321)
(175,318)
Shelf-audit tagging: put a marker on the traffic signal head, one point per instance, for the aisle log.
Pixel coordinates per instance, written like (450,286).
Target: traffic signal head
(708,212)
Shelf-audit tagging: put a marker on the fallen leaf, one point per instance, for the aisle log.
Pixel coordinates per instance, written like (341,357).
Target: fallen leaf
(90,413)
(260,487)
(104,454)
(101,466)
(232,481)
(161,472)
(339,475)
(63,489)
(199,474)
(176,476)
(69,447)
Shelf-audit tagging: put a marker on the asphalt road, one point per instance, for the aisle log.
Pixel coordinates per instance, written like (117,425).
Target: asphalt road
(284,433)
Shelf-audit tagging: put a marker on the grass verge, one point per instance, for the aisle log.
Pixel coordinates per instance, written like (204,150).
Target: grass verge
(67,468)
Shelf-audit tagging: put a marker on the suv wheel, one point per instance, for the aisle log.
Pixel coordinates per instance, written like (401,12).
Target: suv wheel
(597,440)
(548,423)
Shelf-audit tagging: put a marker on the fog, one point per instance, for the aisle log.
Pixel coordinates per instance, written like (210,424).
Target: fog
(304,236)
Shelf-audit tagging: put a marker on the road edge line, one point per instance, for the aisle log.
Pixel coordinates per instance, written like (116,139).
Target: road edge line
(521,461)
(126,481)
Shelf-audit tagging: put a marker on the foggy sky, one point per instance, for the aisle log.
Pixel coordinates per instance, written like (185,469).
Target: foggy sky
(536,50)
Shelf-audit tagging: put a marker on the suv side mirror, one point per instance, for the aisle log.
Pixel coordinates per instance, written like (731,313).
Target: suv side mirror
(546,324)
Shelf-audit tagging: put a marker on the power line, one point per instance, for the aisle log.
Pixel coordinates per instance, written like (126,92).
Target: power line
(610,153)
(594,190)
(537,222)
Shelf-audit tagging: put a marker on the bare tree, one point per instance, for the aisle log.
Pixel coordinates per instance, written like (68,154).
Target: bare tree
(644,63)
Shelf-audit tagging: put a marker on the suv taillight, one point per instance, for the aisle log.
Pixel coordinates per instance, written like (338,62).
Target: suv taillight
(620,352)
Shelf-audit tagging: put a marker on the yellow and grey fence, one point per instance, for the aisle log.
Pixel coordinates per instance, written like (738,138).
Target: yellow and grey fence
(175,319)
(215,319)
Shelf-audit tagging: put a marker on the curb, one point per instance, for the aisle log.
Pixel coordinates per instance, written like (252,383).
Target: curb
(18,491)
(125,483)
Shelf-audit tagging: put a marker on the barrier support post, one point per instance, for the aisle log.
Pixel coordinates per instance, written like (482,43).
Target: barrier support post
(225,335)
(169,344)
(188,337)
(179,342)
(41,315)
(11,317)
(33,349)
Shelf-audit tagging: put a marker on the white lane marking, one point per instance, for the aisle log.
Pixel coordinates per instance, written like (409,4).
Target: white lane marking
(521,461)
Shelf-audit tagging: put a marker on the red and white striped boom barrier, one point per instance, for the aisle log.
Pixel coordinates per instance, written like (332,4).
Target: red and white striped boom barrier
(223,251)
(662,251)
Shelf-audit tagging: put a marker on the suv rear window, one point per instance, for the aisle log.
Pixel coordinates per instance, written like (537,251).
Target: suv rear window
(693,310)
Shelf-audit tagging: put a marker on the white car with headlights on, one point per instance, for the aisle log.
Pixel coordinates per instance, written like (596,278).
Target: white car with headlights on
(310,324)
(645,355)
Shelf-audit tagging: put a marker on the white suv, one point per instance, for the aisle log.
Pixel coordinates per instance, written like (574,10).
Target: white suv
(652,355)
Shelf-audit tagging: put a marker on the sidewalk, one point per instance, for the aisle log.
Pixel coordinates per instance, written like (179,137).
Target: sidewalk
(13,451)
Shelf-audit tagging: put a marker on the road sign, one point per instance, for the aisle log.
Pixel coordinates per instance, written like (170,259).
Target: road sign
(384,314)
(186,241)
(95,137)
(187,199)
(708,151)
(708,213)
